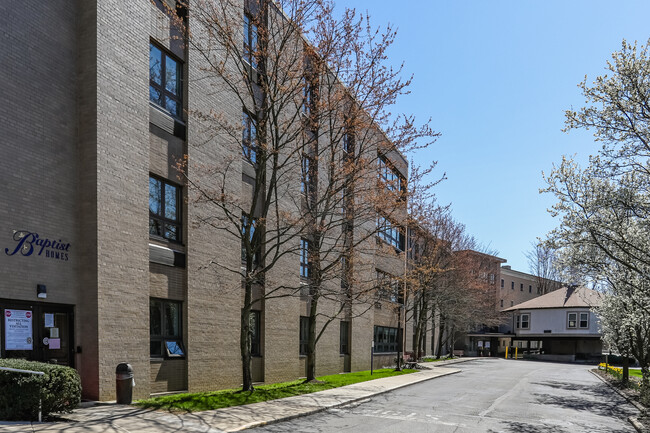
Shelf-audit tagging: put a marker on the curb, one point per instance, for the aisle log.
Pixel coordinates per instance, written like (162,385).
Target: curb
(631,419)
(322,409)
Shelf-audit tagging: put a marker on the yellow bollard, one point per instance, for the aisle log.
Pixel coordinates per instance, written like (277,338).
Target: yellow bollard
(506,352)
(516,353)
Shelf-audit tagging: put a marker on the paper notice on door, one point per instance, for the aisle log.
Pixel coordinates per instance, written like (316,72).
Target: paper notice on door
(55,343)
(49,320)
(54,332)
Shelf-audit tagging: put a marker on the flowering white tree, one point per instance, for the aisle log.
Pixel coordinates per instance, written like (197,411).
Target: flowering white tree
(604,233)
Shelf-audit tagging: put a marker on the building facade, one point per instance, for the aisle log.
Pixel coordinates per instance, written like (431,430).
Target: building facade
(561,325)
(101,259)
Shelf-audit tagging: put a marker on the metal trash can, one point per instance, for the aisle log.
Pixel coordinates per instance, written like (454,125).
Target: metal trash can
(124,383)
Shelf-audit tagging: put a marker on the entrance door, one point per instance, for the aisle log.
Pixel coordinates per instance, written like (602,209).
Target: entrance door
(51,332)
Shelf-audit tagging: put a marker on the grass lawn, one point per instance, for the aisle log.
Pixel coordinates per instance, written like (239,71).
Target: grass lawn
(432,359)
(232,397)
(635,372)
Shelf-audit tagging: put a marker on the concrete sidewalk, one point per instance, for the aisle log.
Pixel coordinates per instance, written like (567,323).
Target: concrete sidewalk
(113,418)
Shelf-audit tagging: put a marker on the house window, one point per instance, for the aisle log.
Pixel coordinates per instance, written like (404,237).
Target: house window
(521,287)
(572,320)
(344,338)
(584,320)
(250,41)
(304,335)
(165,81)
(530,288)
(491,278)
(385,339)
(255,332)
(512,285)
(512,303)
(390,232)
(249,138)
(578,320)
(164,209)
(502,303)
(305,269)
(166,338)
(391,179)
(502,283)
(388,287)
(523,321)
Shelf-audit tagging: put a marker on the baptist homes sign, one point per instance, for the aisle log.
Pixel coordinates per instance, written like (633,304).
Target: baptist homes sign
(28,243)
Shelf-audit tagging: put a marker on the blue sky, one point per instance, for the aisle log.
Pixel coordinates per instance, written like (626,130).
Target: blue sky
(496,77)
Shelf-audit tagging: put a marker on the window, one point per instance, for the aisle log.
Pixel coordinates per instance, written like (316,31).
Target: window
(348,144)
(388,287)
(512,303)
(249,138)
(584,320)
(304,335)
(492,278)
(572,320)
(502,283)
(305,269)
(344,338)
(390,232)
(164,209)
(305,185)
(244,223)
(250,41)
(502,303)
(308,96)
(390,177)
(255,332)
(521,287)
(165,328)
(512,285)
(578,320)
(385,339)
(523,321)
(165,81)
(530,288)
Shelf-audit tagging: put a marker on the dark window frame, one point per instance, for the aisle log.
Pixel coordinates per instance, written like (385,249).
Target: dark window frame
(305,265)
(162,87)
(249,137)
(344,337)
(390,232)
(251,37)
(159,230)
(303,336)
(161,339)
(503,282)
(390,177)
(386,339)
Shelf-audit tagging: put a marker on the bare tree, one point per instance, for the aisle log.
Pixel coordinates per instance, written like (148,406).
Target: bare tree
(314,93)
(543,264)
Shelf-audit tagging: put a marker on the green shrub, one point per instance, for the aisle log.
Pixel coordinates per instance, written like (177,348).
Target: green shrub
(59,390)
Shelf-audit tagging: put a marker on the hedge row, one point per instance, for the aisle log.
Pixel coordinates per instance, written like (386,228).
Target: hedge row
(59,390)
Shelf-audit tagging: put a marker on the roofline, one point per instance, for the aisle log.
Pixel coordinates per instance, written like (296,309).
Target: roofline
(483,254)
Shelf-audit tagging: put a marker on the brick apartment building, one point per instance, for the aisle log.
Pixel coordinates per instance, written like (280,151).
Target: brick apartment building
(99,261)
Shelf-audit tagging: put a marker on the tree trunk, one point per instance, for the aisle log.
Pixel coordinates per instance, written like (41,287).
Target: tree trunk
(626,368)
(440,338)
(245,339)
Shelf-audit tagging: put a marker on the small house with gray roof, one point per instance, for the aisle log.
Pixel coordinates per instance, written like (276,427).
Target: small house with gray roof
(561,325)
